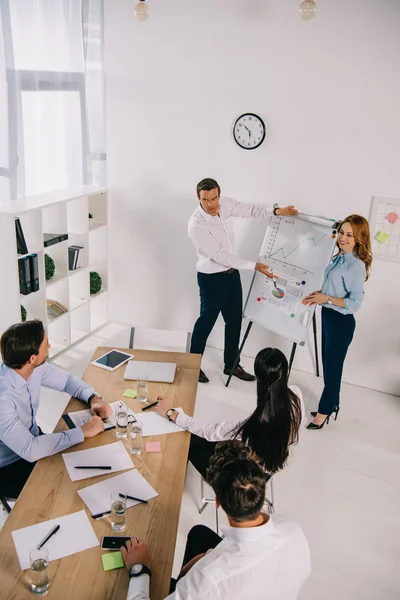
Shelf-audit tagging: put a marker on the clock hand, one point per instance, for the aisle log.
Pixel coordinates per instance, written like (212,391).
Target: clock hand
(247,130)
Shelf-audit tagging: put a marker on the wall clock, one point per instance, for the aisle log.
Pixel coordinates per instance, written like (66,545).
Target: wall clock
(249,131)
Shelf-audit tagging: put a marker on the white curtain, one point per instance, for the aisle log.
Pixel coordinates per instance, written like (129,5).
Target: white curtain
(52,117)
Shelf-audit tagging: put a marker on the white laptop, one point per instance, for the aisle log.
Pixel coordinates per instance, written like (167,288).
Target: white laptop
(152,371)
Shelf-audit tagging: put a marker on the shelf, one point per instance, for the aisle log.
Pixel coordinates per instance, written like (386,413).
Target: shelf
(59,212)
(56,349)
(98,310)
(93,225)
(57,277)
(41,201)
(75,303)
(80,326)
(53,318)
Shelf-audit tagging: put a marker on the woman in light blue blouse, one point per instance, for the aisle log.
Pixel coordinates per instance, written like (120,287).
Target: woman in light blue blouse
(341,296)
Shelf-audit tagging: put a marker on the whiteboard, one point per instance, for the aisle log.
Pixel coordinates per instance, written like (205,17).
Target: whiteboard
(384,221)
(298,249)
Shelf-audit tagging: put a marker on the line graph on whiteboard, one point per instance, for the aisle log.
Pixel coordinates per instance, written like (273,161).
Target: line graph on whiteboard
(298,247)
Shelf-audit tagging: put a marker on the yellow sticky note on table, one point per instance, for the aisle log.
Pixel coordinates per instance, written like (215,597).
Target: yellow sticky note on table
(382,236)
(129,393)
(112,560)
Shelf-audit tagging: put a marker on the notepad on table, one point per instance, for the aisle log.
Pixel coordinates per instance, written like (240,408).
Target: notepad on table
(155,424)
(114,455)
(97,496)
(112,560)
(75,535)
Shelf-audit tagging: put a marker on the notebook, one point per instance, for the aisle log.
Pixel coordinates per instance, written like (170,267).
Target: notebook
(152,371)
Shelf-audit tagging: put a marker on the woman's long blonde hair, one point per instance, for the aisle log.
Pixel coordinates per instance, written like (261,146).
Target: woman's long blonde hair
(362,237)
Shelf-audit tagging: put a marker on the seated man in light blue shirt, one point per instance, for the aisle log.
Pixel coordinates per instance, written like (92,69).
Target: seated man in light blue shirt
(24,349)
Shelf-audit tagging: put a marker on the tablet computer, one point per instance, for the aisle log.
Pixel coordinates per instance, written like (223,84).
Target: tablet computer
(112,359)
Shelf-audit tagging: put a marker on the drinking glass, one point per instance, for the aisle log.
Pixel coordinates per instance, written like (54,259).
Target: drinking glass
(135,432)
(142,388)
(118,511)
(122,421)
(39,561)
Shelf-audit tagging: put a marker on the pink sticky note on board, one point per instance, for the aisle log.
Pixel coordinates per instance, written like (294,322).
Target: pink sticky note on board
(392,218)
(153,446)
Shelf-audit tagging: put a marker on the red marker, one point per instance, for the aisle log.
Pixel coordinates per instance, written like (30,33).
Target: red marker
(258,299)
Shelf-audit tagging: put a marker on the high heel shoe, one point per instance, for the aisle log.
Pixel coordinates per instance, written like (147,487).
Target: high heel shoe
(335,410)
(313,426)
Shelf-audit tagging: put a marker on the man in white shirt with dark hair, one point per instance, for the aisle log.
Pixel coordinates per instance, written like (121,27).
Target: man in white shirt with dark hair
(261,557)
(210,229)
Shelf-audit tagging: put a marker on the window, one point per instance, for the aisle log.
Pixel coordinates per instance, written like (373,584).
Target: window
(52,110)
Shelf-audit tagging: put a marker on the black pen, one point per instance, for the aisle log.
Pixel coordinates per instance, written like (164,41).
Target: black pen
(103,514)
(133,498)
(94,467)
(150,405)
(48,536)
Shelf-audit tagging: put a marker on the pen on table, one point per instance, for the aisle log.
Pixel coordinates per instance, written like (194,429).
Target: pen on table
(48,536)
(103,514)
(150,405)
(102,467)
(133,498)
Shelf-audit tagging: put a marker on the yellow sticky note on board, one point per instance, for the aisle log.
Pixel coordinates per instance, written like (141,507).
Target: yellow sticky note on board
(112,560)
(382,236)
(129,393)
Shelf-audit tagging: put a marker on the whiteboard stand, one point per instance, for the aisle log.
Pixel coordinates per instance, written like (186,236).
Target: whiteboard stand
(297,249)
(292,353)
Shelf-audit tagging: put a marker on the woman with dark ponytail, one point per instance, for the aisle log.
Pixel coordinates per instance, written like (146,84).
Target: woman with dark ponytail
(269,431)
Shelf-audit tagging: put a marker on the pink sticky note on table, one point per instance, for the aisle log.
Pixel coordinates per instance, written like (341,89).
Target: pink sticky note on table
(153,446)
(392,217)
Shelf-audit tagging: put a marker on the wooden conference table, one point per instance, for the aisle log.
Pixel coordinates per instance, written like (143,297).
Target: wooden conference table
(49,493)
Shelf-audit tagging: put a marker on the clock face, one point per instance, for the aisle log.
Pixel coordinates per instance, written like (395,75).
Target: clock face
(249,131)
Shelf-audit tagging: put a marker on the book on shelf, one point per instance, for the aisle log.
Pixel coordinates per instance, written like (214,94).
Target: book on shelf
(22,248)
(34,267)
(24,273)
(75,254)
(55,308)
(49,239)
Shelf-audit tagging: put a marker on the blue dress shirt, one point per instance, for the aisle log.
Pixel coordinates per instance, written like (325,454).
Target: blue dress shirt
(344,278)
(19,402)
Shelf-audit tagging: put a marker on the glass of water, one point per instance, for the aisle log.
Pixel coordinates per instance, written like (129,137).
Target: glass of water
(122,421)
(118,511)
(135,431)
(142,388)
(39,561)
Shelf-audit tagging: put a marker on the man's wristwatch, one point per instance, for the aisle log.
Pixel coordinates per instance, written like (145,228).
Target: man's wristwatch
(169,413)
(329,301)
(95,395)
(137,570)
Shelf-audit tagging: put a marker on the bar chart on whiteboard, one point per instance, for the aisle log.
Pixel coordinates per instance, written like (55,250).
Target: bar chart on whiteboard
(297,249)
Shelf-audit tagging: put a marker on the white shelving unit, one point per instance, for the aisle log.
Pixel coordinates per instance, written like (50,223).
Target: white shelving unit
(57,212)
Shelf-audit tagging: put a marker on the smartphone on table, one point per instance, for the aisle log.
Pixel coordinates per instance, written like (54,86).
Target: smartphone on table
(113,542)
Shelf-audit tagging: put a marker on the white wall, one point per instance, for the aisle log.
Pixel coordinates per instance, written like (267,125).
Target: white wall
(329,91)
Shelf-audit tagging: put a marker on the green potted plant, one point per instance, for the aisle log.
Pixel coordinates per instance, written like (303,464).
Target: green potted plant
(95,283)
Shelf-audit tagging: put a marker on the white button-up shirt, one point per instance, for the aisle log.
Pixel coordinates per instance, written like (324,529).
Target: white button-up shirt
(269,562)
(218,432)
(19,402)
(213,237)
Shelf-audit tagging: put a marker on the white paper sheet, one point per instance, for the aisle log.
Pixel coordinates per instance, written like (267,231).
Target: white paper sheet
(114,455)
(75,535)
(97,496)
(155,424)
(80,417)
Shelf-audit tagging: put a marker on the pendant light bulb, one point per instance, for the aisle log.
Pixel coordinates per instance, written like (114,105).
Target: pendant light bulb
(308,10)
(142,11)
